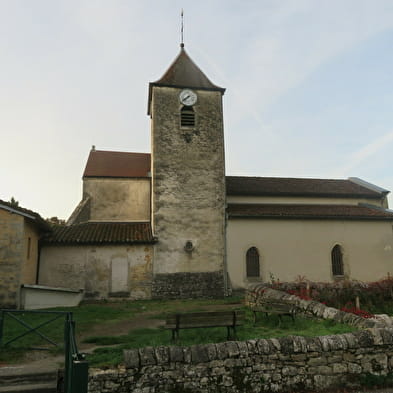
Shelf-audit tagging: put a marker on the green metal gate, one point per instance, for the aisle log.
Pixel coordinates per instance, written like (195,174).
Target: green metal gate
(76,367)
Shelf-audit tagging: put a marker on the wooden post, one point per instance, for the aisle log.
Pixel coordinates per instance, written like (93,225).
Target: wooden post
(357,303)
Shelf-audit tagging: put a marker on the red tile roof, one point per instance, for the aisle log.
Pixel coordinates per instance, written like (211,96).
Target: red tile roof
(281,186)
(117,164)
(121,164)
(103,233)
(289,211)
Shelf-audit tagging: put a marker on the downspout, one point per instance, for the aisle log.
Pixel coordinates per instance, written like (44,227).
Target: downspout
(226,286)
(37,273)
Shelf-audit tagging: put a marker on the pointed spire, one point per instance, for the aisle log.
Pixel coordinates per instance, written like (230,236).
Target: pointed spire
(184,73)
(182,29)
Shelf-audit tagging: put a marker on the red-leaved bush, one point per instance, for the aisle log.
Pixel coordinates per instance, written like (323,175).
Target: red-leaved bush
(357,311)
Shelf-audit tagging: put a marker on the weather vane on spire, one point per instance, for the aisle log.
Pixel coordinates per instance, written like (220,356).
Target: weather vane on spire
(182,29)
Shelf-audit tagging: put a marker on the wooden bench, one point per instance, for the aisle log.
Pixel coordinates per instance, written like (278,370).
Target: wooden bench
(277,308)
(228,319)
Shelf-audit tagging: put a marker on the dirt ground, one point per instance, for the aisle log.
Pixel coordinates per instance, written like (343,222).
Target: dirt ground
(46,359)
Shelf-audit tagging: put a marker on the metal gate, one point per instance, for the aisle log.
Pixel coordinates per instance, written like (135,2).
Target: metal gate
(76,367)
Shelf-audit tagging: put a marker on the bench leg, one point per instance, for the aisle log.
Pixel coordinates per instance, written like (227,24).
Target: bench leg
(175,335)
(234,333)
(233,336)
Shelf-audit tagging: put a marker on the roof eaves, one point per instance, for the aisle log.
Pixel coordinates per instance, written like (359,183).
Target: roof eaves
(17,211)
(370,186)
(307,217)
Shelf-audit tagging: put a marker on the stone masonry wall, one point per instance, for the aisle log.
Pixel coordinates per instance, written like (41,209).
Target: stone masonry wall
(187,285)
(11,257)
(188,185)
(273,365)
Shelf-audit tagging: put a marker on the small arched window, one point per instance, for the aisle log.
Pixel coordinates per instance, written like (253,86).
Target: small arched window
(187,116)
(252,262)
(337,261)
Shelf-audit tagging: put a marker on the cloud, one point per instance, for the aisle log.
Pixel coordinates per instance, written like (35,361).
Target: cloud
(364,153)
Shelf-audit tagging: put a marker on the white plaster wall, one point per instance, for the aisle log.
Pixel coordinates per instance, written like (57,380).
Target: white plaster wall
(94,269)
(118,199)
(303,200)
(289,248)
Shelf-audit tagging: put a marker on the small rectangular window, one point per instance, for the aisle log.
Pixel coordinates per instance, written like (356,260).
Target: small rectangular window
(28,247)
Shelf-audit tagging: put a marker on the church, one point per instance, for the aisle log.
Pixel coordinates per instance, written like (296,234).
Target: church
(172,224)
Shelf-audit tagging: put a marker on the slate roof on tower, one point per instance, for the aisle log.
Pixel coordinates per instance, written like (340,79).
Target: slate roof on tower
(183,72)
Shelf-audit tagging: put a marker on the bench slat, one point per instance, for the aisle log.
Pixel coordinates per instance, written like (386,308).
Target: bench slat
(204,319)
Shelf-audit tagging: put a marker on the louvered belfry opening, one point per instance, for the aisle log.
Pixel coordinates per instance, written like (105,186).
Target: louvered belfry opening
(252,262)
(187,116)
(337,261)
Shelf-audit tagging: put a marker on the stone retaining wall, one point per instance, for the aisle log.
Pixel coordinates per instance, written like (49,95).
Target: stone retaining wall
(278,365)
(264,365)
(259,294)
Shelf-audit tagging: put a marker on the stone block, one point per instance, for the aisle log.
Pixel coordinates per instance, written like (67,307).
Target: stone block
(299,344)
(313,344)
(162,355)
(199,354)
(211,351)
(319,361)
(187,354)
(176,354)
(263,346)
(232,348)
(252,347)
(131,358)
(339,368)
(147,356)
(354,368)
(222,351)
(286,344)
(364,338)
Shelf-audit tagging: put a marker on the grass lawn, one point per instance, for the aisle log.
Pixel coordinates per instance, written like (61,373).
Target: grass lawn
(106,317)
(267,327)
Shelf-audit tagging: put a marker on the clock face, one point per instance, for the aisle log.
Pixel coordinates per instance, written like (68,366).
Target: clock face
(188,97)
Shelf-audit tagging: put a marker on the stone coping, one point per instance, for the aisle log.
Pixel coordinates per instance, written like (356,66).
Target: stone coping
(163,355)
(258,292)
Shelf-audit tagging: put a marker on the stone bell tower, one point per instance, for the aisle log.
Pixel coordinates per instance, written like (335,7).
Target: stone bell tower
(188,182)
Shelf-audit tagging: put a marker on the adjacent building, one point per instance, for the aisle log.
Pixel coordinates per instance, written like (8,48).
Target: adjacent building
(20,233)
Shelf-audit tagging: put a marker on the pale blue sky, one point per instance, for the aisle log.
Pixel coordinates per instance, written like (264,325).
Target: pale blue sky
(309,86)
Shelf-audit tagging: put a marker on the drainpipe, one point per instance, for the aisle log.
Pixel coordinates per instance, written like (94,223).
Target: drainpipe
(226,289)
(37,273)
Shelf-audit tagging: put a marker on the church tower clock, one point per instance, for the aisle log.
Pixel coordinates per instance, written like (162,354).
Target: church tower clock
(188,182)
